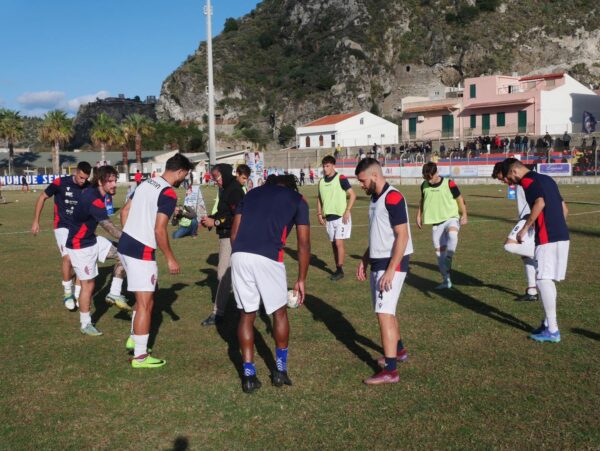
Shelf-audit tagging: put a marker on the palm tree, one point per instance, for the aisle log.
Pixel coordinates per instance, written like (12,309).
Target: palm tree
(122,138)
(138,126)
(104,131)
(11,129)
(57,128)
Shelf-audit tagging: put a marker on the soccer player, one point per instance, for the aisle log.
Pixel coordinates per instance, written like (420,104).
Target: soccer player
(390,246)
(145,218)
(548,216)
(66,191)
(526,249)
(336,198)
(230,195)
(82,245)
(439,206)
(262,223)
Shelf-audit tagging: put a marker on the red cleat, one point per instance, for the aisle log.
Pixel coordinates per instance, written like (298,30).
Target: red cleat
(383,377)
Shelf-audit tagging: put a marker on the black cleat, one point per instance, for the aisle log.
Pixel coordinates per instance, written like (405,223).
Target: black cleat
(337,275)
(527,297)
(279,378)
(212,320)
(250,384)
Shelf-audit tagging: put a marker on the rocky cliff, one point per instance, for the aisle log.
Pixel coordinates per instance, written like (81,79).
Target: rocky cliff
(303,59)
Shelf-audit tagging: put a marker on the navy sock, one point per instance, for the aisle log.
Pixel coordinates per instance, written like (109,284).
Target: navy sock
(400,346)
(249,369)
(281,358)
(390,363)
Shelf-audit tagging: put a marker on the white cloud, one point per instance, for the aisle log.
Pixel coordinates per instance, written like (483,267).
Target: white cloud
(40,102)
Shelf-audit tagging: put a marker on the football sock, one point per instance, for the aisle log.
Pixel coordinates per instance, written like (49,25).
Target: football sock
(68,287)
(115,286)
(77,291)
(530,267)
(340,269)
(400,346)
(84,319)
(547,290)
(441,258)
(141,345)
(452,243)
(132,320)
(249,369)
(281,358)
(390,364)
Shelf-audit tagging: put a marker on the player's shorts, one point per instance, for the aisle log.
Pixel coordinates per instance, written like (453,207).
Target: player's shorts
(255,277)
(440,232)
(552,259)
(85,262)
(104,246)
(337,230)
(61,236)
(529,241)
(386,301)
(142,275)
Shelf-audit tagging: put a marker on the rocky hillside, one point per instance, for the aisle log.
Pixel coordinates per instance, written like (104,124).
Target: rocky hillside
(301,59)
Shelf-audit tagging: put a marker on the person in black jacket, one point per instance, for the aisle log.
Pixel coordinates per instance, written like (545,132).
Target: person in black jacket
(230,195)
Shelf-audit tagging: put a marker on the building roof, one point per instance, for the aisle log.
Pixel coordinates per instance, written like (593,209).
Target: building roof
(331,119)
(543,76)
(499,103)
(423,107)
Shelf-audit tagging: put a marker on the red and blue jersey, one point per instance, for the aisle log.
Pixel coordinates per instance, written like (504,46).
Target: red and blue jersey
(550,225)
(89,211)
(66,195)
(268,215)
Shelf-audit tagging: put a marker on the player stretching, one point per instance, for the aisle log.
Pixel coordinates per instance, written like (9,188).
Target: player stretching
(548,213)
(66,192)
(333,209)
(390,246)
(440,202)
(526,249)
(260,228)
(145,218)
(82,245)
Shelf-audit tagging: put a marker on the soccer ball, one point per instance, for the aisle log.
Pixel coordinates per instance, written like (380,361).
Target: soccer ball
(293,299)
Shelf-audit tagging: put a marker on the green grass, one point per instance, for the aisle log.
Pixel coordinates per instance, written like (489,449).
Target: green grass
(473,379)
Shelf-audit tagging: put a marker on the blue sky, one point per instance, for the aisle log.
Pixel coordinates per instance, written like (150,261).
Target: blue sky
(61,53)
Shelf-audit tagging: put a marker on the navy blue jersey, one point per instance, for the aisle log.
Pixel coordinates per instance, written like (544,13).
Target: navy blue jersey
(268,215)
(550,225)
(66,194)
(89,211)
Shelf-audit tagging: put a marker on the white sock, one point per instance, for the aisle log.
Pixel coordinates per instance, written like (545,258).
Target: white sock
(115,286)
(530,267)
(68,287)
(84,319)
(441,258)
(141,345)
(523,250)
(77,291)
(452,243)
(547,290)
(132,320)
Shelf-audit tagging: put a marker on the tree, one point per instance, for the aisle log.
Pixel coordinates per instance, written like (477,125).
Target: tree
(122,138)
(230,25)
(57,128)
(11,129)
(139,127)
(104,133)
(286,133)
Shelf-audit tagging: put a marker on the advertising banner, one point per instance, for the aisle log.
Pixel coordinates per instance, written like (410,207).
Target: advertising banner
(195,199)
(256,163)
(555,169)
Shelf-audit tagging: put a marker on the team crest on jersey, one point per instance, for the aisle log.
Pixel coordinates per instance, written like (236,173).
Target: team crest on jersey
(153,279)
(86,270)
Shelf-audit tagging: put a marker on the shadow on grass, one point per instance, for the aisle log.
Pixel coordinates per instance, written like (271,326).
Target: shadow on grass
(342,330)
(102,284)
(314,260)
(426,286)
(181,444)
(164,298)
(586,333)
(210,281)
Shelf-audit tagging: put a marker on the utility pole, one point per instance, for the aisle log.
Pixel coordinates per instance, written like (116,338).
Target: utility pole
(212,142)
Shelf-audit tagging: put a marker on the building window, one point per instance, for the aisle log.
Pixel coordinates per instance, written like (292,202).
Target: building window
(472,91)
(500,119)
(308,141)
(362,121)
(321,141)
(473,119)
(332,138)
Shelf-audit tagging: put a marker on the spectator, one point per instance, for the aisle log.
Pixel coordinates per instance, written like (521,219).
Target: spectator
(137,177)
(24,184)
(187,220)
(566,141)
(302,175)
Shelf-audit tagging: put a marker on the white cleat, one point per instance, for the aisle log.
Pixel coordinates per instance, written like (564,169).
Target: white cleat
(446,284)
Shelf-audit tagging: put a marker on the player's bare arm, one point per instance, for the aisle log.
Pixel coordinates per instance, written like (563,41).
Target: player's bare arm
(320,211)
(39,206)
(125,213)
(303,233)
(420,214)
(235,226)
(162,241)
(565,209)
(108,225)
(463,209)
(400,242)
(351,199)
(361,270)
(538,206)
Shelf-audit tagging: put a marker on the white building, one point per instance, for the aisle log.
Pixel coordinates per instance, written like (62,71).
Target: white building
(347,130)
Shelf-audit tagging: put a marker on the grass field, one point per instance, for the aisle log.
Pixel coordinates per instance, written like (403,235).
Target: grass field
(473,379)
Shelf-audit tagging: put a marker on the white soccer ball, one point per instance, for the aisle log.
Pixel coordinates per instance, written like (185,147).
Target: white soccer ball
(293,299)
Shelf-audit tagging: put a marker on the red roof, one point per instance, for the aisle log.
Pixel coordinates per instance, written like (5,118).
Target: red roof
(332,119)
(544,76)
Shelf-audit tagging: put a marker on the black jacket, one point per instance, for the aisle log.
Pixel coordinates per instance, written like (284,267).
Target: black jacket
(229,197)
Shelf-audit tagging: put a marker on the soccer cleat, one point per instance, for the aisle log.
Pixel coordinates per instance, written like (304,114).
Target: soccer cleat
(212,320)
(446,284)
(119,300)
(402,356)
(383,377)
(69,302)
(546,336)
(250,384)
(90,330)
(147,361)
(279,378)
(539,330)
(527,297)
(337,275)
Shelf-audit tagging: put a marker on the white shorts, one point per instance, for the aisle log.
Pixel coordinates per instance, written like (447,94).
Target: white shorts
(104,246)
(61,236)
(529,241)
(552,259)
(440,232)
(255,277)
(386,301)
(142,275)
(337,230)
(84,261)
